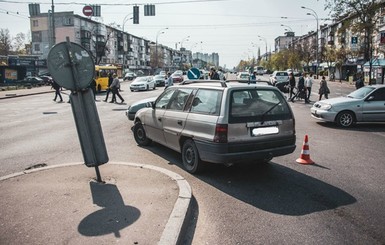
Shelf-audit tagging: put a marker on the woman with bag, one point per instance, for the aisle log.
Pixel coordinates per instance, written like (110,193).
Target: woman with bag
(323,89)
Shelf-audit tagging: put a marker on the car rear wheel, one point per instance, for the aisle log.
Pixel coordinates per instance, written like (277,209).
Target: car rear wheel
(190,157)
(140,135)
(345,119)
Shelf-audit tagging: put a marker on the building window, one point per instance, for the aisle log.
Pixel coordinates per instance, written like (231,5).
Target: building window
(67,21)
(36,36)
(35,23)
(36,47)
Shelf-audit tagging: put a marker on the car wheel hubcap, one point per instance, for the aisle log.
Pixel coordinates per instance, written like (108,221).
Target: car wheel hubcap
(140,134)
(346,120)
(189,156)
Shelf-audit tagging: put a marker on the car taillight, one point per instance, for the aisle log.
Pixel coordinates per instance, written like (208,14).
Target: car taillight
(220,133)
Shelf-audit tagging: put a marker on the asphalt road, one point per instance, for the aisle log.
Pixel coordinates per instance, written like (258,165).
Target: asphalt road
(338,200)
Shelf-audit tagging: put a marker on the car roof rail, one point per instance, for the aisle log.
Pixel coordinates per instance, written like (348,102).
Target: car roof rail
(222,82)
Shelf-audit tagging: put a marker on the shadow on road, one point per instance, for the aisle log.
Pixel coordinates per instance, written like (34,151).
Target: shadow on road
(270,187)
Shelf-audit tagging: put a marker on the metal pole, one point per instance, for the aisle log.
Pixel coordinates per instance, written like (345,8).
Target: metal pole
(53,24)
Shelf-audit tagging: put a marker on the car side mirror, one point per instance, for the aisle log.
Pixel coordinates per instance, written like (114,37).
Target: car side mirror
(370,98)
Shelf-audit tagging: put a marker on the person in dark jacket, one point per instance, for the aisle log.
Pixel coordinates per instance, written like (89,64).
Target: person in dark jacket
(213,74)
(292,84)
(359,81)
(57,88)
(301,90)
(93,87)
(110,79)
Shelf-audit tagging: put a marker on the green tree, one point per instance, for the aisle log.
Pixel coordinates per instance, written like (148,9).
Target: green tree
(366,12)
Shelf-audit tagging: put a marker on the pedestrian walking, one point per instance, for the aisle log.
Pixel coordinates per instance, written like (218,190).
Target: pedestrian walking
(308,85)
(213,74)
(57,88)
(93,87)
(359,81)
(292,84)
(300,94)
(115,86)
(169,81)
(110,79)
(253,77)
(323,89)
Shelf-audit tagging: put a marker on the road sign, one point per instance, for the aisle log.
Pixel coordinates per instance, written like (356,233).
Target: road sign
(88,10)
(71,65)
(193,73)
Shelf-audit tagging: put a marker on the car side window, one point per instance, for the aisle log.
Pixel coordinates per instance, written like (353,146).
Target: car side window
(207,101)
(164,99)
(179,99)
(379,95)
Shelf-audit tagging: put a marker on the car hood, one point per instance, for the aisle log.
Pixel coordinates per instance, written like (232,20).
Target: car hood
(137,82)
(339,100)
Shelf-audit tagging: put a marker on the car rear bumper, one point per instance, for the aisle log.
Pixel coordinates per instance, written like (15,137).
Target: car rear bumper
(228,153)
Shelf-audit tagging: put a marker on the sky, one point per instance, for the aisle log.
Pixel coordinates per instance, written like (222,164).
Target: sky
(235,29)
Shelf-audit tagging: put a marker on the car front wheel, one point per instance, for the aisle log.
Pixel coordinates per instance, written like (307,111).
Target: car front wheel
(140,135)
(190,157)
(345,119)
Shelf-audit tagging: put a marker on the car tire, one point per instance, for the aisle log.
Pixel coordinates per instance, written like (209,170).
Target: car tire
(140,135)
(345,119)
(190,157)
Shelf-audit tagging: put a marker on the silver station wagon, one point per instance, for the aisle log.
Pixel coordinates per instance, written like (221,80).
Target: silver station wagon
(218,122)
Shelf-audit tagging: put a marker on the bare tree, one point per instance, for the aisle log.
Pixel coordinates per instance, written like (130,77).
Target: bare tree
(5,42)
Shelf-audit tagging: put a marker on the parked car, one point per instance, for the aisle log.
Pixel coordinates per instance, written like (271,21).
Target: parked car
(279,76)
(47,80)
(218,122)
(142,83)
(129,76)
(177,77)
(37,81)
(160,80)
(135,107)
(366,104)
(243,75)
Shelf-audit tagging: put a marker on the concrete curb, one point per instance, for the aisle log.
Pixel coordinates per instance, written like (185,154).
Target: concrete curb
(172,232)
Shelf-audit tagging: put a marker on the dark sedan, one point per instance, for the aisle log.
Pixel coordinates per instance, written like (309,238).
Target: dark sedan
(132,109)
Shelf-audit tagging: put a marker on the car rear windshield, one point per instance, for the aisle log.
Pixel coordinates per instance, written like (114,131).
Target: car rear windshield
(258,105)
(281,74)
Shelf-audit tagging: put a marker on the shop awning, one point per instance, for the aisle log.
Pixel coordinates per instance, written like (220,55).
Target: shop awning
(376,62)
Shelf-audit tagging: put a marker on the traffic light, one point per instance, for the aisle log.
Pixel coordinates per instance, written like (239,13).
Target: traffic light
(136,15)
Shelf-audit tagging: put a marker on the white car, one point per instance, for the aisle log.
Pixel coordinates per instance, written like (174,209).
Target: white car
(143,83)
(243,75)
(279,77)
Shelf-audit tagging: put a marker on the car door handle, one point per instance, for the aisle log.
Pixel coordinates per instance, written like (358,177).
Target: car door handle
(180,122)
(159,119)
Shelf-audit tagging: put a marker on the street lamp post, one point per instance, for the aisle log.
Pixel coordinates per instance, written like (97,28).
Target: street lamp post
(314,14)
(287,27)
(184,39)
(264,39)
(124,48)
(161,31)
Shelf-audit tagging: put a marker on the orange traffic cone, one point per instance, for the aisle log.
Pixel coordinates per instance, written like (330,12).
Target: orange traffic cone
(305,153)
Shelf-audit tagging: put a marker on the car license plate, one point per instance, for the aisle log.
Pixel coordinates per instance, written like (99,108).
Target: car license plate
(264,131)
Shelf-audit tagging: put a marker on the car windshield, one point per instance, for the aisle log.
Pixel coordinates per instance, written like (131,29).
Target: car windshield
(253,104)
(361,93)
